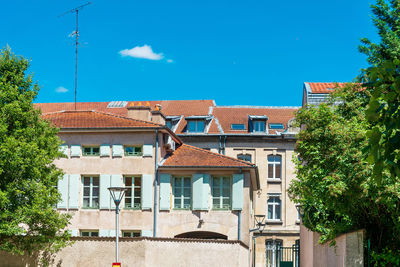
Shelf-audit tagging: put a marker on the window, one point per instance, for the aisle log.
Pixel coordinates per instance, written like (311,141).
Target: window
(272,248)
(276,126)
(91,151)
(245,157)
(196,126)
(133,193)
(259,126)
(237,127)
(133,151)
(168,123)
(274,208)
(221,192)
(182,192)
(274,166)
(90,192)
(89,233)
(131,233)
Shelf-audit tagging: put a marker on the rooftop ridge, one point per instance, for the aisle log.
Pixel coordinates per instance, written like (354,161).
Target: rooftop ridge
(260,107)
(217,154)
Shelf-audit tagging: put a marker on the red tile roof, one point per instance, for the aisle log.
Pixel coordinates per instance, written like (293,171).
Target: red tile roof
(240,115)
(93,119)
(190,156)
(324,88)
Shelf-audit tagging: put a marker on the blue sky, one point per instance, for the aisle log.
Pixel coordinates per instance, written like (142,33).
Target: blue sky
(236,52)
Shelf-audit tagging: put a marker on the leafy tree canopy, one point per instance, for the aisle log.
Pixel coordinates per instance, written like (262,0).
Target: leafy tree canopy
(28,178)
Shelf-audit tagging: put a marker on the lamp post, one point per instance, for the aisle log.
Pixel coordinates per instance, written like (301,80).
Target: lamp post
(260,225)
(117,193)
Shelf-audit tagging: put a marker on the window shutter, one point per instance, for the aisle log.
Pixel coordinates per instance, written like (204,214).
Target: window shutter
(105,201)
(148,233)
(147,150)
(237,194)
(74,188)
(111,233)
(165,191)
(117,150)
(62,187)
(104,232)
(206,192)
(116,181)
(104,150)
(75,151)
(74,232)
(197,191)
(63,149)
(147,191)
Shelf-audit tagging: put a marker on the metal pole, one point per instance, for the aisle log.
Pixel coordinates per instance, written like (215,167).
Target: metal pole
(76,54)
(117,233)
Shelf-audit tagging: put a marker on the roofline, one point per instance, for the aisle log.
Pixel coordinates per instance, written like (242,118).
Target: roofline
(213,167)
(259,107)
(307,87)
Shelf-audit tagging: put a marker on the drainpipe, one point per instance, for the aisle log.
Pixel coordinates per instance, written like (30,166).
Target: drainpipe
(224,146)
(239,223)
(155,187)
(219,145)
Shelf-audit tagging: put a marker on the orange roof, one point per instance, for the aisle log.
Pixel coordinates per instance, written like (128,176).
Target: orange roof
(225,116)
(94,119)
(190,156)
(323,88)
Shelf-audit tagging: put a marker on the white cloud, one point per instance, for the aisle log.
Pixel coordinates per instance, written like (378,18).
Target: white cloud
(144,51)
(170,61)
(61,89)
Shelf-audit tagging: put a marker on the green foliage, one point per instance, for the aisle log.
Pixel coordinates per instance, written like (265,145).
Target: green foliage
(387,20)
(387,258)
(28,178)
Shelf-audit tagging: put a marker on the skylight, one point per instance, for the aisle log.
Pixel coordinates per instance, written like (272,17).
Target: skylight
(117,104)
(276,126)
(238,126)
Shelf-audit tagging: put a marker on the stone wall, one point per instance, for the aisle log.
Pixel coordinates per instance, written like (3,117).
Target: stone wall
(347,252)
(144,252)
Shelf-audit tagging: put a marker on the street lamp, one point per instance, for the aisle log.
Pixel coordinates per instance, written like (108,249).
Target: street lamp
(260,225)
(117,193)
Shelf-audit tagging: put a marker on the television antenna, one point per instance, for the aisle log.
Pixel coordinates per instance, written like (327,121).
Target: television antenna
(76,34)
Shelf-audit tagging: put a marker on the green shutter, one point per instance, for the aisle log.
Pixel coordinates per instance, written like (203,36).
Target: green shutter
(206,192)
(62,186)
(237,194)
(165,191)
(116,181)
(74,188)
(75,151)
(104,150)
(147,150)
(197,191)
(147,191)
(117,150)
(105,201)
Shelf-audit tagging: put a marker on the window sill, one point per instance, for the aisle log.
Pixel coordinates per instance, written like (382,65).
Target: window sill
(274,180)
(274,222)
(182,209)
(91,155)
(138,208)
(90,208)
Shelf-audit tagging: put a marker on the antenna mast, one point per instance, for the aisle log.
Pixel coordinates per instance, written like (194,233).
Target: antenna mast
(76,33)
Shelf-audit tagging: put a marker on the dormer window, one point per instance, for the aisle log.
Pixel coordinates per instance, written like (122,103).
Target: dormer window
(196,126)
(257,123)
(172,121)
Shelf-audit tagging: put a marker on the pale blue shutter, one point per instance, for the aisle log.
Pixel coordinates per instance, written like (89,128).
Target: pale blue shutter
(111,233)
(197,191)
(104,232)
(117,150)
(105,183)
(75,150)
(165,191)
(104,150)
(74,188)
(74,232)
(116,181)
(206,192)
(62,187)
(147,150)
(237,191)
(147,233)
(147,191)
(63,149)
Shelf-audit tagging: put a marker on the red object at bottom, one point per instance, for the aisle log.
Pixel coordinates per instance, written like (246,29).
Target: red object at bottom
(116,264)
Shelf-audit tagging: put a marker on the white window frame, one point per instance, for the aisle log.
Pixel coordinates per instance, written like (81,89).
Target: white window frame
(274,204)
(256,128)
(182,196)
(221,189)
(92,154)
(134,154)
(132,197)
(196,126)
(274,164)
(91,187)
(92,233)
(131,233)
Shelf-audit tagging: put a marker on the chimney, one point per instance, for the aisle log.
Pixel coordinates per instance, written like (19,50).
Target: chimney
(139,111)
(157,116)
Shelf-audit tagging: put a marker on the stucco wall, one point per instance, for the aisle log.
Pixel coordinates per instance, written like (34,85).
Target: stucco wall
(348,250)
(144,252)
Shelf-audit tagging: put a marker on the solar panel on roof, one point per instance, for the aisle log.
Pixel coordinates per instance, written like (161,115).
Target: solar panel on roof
(117,104)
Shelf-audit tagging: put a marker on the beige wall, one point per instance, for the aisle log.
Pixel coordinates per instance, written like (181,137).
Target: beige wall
(143,252)
(348,251)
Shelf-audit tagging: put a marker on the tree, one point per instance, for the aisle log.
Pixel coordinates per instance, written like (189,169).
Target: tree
(387,20)
(29,221)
